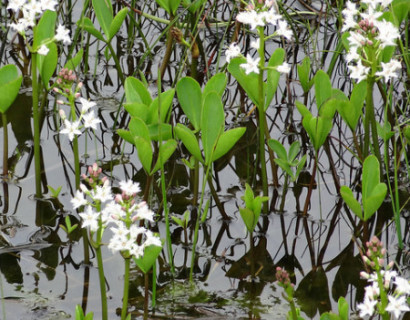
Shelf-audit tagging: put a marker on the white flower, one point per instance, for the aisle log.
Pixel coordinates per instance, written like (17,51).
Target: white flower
(135,231)
(121,231)
(144,213)
(359,71)
(397,305)
(48,5)
(402,285)
(71,129)
(120,244)
(352,56)
(252,18)
(255,44)
(90,121)
(356,40)
(62,34)
(34,7)
(102,194)
(232,52)
(283,68)
(372,291)
(388,33)
(251,65)
(90,219)
(367,307)
(272,17)
(79,200)
(389,70)
(284,30)
(350,11)
(16,5)
(130,188)
(371,15)
(136,250)
(385,3)
(113,211)
(86,105)
(152,240)
(349,23)
(43,50)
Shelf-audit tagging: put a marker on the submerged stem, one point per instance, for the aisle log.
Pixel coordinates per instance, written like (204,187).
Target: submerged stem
(102,283)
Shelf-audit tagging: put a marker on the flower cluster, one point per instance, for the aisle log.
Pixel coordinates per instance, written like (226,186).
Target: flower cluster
(87,119)
(368,37)
(28,12)
(260,15)
(382,282)
(121,210)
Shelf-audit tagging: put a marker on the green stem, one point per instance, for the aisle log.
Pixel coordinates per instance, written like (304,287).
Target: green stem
(285,191)
(371,122)
(36,125)
(117,62)
(146,295)
(75,145)
(198,220)
(102,283)
(124,310)
(5,145)
(261,114)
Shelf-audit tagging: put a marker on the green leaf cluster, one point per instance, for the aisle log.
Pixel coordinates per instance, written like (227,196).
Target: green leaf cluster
(147,124)
(250,82)
(287,160)
(206,114)
(319,127)
(373,191)
(105,16)
(169,6)
(253,207)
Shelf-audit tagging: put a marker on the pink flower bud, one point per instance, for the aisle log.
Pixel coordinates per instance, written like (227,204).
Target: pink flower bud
(62,114)
(77,95)
(60,102)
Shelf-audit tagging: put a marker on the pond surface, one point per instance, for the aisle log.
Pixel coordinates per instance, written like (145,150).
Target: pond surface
(42,274)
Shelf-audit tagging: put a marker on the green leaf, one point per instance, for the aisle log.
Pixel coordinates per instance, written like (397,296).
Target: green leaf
(103,11)
(145,154)
(126,135)
(343,308)
(138,128)
(44,30)
(318,129)
(350,200)
(273,76)
(47,64)
(226,141)
(116,23)
(147,260)
(87,25)
(248,218)
(304,73)
(166,102)
(217,83)
(401,9)
(135,91)
(169,6)
(373,202)
(166,131)
(248,82)
(212,124)
(10,83)
(300,167)
(303,110)
(165,152)
(190,98)
(294,150)
(279,149)
(75,61)
(189,140)
(285,166)
(137,109)
(370,176)
(323,88)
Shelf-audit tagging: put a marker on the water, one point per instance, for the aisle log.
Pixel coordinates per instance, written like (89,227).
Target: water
(42,274)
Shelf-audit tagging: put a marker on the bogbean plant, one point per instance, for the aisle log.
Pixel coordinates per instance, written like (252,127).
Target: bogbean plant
(35,22)
(250,72)
(127,218)
(388,293)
